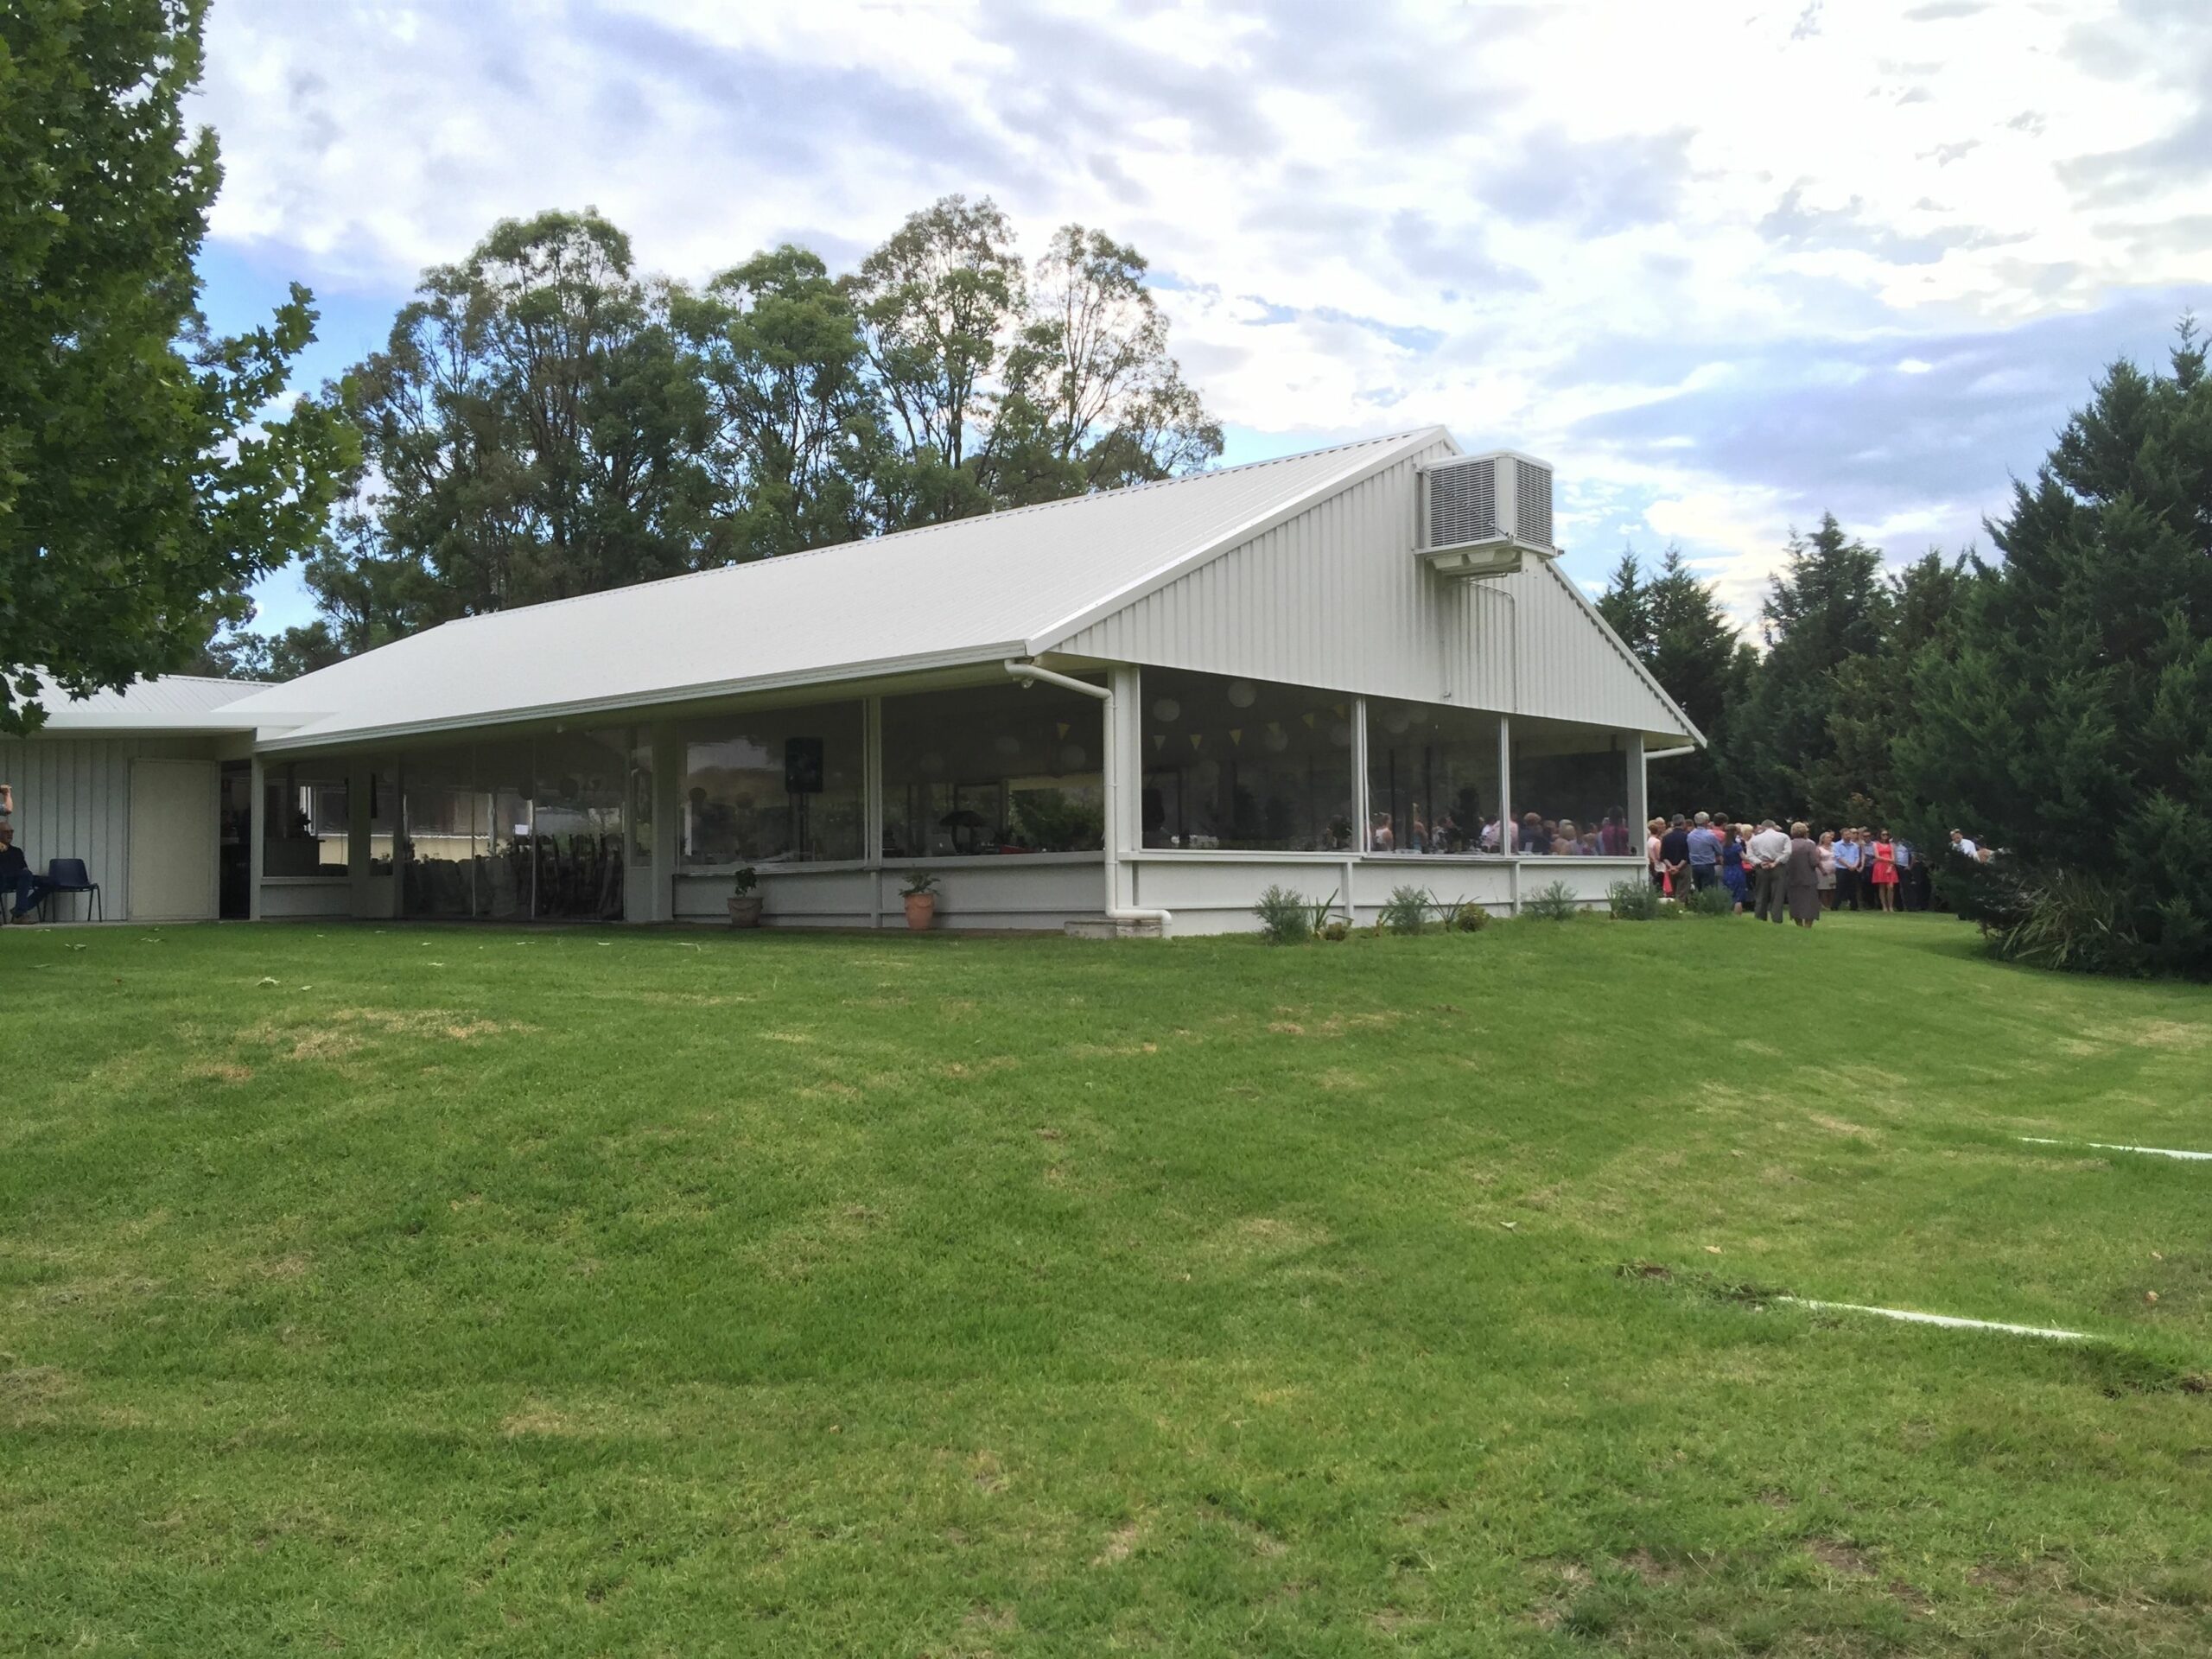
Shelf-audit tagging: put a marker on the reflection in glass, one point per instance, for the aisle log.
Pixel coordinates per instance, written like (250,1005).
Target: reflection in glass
(992,769)
(779,786)
(576,822)
(305,827)
(1569,783)
(445,825)
(506,877)
(1245,764)
(1431,779)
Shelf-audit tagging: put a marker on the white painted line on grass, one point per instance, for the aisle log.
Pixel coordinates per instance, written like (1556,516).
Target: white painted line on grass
(2100,1146)
(1949,1321)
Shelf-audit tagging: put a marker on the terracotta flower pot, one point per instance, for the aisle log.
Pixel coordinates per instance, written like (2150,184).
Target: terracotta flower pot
(921,911)
(744,909)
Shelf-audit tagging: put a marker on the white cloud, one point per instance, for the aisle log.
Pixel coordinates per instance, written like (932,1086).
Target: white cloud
(1571,228)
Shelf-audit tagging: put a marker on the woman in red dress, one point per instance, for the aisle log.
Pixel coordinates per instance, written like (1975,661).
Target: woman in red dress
(1886,870)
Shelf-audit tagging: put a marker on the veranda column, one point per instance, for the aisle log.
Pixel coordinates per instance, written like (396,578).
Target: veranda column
(872,805)
(668,807)
(360,786)
(1123,775)
(1639,791)
(256,832)
(1508,837)
(1362,815)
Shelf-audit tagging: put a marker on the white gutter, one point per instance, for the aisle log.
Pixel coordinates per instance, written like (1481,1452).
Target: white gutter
(1028,674)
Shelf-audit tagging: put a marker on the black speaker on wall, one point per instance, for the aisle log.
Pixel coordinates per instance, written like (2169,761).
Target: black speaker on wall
(803,766)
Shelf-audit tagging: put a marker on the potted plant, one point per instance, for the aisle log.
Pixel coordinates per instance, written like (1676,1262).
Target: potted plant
(745,898)
(921,900)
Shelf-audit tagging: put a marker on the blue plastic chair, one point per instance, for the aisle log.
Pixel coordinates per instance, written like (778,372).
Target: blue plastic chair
(70,875)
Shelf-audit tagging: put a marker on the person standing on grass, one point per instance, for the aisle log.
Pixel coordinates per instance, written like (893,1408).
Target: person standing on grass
(1850,857)
(1731,865)
(1800,878)
(1769,852)
(1652,832)
(1908,862)
(1675,858)
(1883,876)
(1705,854)
(1827,849)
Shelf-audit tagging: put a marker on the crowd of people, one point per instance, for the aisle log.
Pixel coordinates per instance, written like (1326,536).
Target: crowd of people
(1767,869)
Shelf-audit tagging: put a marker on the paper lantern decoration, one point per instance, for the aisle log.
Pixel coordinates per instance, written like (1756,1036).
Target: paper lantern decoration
(1158,742)
(1072,758)
(1060,727)
(1236,736)
(1276,739)
(1395,722)
(1340,734)
(1007,744)
(1167,711)
(1242,694)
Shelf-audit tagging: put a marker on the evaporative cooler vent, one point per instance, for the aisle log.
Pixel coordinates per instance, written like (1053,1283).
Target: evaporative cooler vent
(1481,515)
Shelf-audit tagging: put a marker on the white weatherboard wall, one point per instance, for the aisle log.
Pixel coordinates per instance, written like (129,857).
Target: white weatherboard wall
(73,800)
(1335,597)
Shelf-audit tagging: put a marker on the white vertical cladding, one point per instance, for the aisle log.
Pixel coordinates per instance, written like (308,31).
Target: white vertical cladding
(1332,597)
(1567,664)
(73,800)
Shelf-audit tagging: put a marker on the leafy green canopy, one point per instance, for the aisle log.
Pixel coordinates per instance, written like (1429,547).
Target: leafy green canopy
(2073,723)
(548,421)
(140,486)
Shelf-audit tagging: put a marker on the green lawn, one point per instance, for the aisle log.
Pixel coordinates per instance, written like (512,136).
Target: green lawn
(447,1290)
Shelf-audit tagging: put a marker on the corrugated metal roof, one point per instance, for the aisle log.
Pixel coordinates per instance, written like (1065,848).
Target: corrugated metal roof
(1006,582)
(170,702)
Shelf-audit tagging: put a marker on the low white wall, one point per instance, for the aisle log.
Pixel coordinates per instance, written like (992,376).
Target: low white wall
(283,897)
(1039,891)
(1214,892)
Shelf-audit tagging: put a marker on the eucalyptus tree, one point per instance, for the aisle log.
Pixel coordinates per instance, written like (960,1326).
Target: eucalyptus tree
(145,477)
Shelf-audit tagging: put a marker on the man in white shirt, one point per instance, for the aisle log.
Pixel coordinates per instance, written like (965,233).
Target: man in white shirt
(1768,851)
(1961,842)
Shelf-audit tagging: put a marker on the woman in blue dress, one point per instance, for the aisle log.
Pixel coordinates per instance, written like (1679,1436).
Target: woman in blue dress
(1732,867)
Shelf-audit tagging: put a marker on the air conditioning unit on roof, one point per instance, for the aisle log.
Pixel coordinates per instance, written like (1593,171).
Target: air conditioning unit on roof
(1484,515)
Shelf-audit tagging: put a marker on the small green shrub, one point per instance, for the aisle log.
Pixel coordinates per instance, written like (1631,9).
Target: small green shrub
(1407,912)
(1713,901)
(1337,931)
(2071,920)
(1286,917)
(1556,903)
(1468,919)
(1633,901)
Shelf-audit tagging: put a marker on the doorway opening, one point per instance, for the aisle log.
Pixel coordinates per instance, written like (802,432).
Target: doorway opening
(234,848)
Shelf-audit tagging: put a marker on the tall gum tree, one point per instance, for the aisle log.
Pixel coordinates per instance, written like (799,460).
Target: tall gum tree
(145,481)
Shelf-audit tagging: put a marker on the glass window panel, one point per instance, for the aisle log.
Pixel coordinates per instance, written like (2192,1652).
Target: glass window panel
(305,827)
(993,769)
(506,872)
(776,786)
(641,801)
(384,818)
(576,822)
(1569,783)
(1245,764)
(445,822)
(1431,779)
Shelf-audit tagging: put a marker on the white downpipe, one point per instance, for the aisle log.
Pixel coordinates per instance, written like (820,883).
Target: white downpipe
(1649,755)
(1110,772)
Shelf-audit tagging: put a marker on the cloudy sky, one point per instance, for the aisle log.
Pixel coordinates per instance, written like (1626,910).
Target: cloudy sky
(1728,266)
